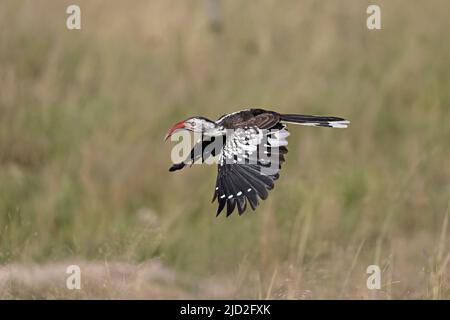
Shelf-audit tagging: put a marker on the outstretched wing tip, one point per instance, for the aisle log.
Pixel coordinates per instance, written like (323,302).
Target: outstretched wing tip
(239,186)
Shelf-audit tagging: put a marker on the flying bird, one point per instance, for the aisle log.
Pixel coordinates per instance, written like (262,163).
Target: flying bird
(250,145)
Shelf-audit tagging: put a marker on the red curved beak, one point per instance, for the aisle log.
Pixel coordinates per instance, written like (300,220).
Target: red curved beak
(179,125)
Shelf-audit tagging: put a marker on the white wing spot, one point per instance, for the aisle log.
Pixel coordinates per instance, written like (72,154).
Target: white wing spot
(230,196)
(239,193)
(222,196)
(249,189)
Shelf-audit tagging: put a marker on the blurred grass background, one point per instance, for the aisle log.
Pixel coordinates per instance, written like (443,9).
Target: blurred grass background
(83,168)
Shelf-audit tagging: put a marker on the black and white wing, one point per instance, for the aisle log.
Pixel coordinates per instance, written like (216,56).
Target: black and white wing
(248,166)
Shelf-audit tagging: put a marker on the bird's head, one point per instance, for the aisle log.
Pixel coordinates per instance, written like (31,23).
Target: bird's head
(194,124)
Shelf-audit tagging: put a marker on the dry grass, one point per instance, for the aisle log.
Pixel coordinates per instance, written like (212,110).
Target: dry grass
(83,170)
(103,280)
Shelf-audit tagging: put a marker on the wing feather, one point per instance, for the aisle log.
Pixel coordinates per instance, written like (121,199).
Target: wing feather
(243,174)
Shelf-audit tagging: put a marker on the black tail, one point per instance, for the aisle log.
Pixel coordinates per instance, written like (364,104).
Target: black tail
(317,121)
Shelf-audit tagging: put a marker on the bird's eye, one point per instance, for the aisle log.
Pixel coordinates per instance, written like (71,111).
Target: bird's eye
(193,124)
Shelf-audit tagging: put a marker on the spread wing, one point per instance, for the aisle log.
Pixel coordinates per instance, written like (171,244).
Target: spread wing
(248,167)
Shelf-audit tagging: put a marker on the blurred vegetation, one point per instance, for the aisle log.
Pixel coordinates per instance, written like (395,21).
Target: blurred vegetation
(83,168)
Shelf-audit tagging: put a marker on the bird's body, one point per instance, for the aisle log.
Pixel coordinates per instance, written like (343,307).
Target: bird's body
(251,144)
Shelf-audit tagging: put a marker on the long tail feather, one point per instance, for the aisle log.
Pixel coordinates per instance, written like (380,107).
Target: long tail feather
(316,121)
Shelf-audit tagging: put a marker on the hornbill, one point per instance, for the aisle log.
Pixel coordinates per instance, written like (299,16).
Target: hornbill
(251,145)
